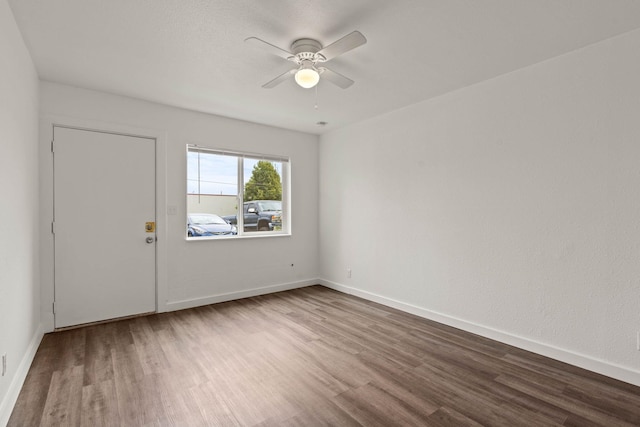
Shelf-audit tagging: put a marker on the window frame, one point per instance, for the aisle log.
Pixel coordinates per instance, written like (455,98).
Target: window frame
(285,175)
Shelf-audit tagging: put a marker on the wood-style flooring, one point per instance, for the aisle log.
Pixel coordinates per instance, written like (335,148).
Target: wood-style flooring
(307,357)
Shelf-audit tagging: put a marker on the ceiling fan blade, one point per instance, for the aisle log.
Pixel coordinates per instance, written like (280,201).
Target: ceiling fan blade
(345,44)
(335,78)
(282,77)
(269,47)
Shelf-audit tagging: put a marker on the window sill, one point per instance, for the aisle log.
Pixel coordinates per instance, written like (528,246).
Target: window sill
(254,235)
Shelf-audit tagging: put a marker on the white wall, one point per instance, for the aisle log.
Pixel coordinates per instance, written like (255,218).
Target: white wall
(19,284)
(510,208)
(193,273)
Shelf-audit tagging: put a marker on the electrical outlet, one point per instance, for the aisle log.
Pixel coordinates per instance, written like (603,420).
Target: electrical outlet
(348,273)
(4,364)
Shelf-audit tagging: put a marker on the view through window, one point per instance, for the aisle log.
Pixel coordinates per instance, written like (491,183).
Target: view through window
(221,183)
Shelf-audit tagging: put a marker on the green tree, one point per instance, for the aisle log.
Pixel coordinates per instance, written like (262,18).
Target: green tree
(264,183)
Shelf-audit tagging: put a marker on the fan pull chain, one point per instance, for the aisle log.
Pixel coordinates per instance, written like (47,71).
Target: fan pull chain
(316,104)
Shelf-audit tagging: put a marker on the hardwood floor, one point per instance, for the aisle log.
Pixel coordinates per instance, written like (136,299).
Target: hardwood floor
(307,357)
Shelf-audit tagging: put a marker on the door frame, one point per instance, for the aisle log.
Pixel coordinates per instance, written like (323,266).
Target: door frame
(47,249)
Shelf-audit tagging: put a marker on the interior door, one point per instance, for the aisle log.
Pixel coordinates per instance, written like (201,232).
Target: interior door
(104,226)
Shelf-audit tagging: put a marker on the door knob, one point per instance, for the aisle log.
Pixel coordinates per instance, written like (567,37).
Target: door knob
(151,240)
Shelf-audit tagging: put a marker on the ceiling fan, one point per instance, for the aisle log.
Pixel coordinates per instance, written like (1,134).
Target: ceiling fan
(307,54)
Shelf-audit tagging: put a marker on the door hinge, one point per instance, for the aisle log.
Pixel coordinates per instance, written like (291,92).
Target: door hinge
(53,227)
(52,145)
(53,307)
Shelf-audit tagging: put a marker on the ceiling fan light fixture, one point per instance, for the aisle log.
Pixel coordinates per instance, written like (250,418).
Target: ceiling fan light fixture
(307,76)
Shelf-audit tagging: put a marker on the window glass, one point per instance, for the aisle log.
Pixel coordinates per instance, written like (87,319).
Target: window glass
(218,182)
(263,185)
(212,174)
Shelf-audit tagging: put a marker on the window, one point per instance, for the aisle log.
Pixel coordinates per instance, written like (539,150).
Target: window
(218,182)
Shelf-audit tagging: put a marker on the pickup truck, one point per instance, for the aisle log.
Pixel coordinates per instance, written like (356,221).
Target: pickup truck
(260,215)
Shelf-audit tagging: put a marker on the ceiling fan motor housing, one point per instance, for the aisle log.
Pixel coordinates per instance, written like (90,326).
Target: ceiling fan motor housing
(306,50)
(305,45)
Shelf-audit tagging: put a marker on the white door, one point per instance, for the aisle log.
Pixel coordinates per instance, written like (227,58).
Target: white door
(104,198)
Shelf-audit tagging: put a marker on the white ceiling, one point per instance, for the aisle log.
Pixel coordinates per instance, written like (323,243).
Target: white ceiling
(191,53)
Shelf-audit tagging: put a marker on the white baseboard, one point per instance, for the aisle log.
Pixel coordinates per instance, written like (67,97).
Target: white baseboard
(580,360)
(213,299)
(10,399)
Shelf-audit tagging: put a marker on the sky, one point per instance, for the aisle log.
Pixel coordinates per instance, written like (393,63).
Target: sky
(218,173)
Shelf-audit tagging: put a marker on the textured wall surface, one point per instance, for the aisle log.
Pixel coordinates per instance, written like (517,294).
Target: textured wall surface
(512,204)
(19,281)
